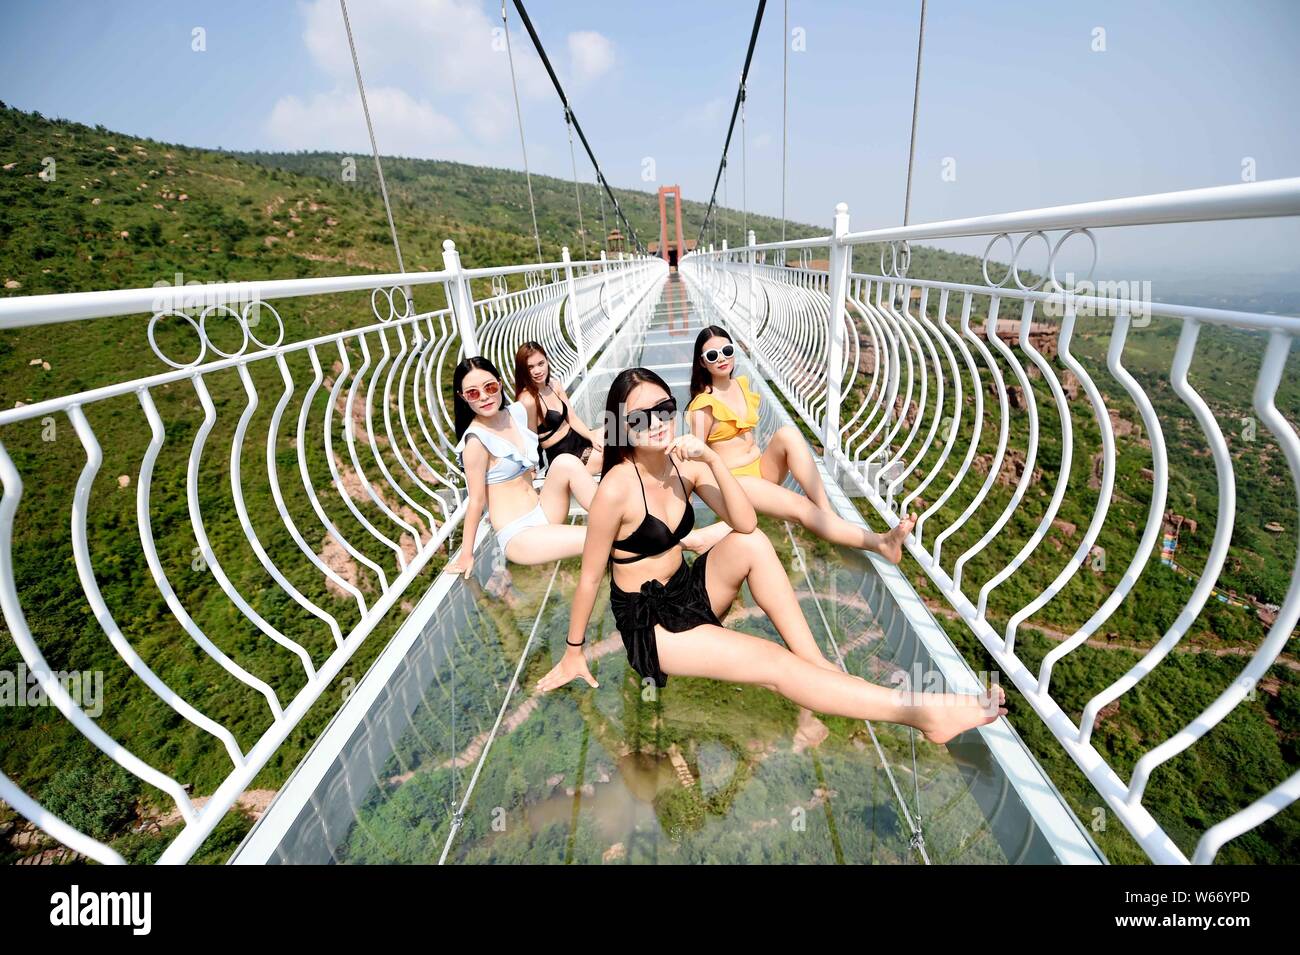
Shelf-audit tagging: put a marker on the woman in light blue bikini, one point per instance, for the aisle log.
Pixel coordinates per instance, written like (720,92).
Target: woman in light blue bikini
(499,466)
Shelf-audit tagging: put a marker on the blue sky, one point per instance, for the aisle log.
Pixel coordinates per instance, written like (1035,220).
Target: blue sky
(1013,93)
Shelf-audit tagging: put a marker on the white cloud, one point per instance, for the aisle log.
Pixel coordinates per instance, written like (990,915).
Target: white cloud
(592,55)
(403,125)
(437,80)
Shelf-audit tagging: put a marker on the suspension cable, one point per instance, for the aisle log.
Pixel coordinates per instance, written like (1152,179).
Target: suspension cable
(735,110)
(528,177)
(744,175)
(374,148)
(604,226)
(726,205)
(785,109)
(916,100)
(907,210)
(564,100)
(577,193)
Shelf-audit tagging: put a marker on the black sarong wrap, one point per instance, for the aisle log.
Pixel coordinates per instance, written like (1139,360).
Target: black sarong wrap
(572,443)
(681,603)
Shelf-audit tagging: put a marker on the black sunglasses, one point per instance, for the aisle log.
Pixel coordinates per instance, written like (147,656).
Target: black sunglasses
(642,420)
(713,355)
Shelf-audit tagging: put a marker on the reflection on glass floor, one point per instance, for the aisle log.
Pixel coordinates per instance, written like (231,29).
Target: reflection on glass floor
(458,759)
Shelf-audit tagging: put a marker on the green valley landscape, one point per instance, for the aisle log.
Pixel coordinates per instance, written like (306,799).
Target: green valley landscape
(125,212)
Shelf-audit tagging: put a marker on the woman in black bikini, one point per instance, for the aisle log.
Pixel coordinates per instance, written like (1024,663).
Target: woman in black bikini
(557,431)
(667,611)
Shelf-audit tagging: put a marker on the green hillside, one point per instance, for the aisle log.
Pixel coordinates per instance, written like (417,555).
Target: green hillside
(122,212)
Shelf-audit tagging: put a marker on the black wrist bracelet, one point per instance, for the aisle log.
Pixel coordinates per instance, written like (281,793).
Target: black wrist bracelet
(579,644)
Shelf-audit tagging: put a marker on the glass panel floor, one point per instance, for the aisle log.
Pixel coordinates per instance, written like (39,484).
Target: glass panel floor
(456,758)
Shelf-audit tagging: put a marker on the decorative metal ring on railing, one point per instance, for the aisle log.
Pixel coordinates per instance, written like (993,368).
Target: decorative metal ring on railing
(239,320)
(984,265)
(1051,262)
(256,320)
(900,259)
(1015,261)
(500,287)
(389,295)
(157,349)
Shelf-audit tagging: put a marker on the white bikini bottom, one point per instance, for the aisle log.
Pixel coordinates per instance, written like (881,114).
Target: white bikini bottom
(534,518)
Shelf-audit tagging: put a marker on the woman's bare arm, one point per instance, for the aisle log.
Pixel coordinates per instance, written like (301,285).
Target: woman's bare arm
(530,406)
(476,465)
(603,522)
(719,489)
(701,421)
(577,423)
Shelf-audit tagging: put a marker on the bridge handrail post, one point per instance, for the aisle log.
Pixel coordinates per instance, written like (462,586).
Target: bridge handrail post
(460,299)
(572,307)
(840,257)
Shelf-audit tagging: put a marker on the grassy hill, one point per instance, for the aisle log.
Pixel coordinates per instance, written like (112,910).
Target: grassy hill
(122,212)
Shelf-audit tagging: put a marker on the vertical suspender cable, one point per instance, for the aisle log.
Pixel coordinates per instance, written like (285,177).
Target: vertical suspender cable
(604,226)
(726,204)
(735,110)
(555,81)
(919,835)
(577,194)
(528,177)
(744,175)
(383,187)
(785,108)
(916,100)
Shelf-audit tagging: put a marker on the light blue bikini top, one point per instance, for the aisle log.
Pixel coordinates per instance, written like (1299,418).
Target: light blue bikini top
(510,462)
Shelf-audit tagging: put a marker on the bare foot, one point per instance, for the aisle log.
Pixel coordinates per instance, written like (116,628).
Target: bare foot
(810,732)
(945,715)
(702,538)
(891,544)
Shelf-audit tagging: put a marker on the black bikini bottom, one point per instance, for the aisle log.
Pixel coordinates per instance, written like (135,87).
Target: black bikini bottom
(678,605)
(572,443)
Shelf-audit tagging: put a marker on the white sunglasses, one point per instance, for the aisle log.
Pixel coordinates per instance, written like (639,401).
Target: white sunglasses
(714,355)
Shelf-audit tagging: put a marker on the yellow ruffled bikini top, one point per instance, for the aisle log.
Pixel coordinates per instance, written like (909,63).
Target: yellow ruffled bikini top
(726,423)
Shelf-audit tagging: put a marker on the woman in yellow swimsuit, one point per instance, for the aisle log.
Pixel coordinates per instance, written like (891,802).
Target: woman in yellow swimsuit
(713,418)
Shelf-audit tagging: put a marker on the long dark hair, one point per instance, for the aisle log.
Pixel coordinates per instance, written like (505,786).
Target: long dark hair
(464,414)
(523,380)
(701,377)
(617,446)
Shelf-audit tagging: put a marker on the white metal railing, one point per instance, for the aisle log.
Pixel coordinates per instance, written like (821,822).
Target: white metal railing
(362,415)
(904,385)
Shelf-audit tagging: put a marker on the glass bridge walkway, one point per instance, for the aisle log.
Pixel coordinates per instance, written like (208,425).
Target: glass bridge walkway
(444,752)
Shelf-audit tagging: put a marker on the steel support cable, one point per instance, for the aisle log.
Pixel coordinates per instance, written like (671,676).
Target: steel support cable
(564,100)
(604,226)
(374,148)
(785,110)
(519,116)
(726,204)
(744,176)
(907,209)
(577,193)
(916,100)
(735,111)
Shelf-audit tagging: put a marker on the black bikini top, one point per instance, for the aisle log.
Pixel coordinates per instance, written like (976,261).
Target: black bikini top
(551,420)
(652,536)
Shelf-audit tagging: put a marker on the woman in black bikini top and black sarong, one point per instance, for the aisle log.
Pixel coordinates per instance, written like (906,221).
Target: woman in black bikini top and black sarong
(668,610)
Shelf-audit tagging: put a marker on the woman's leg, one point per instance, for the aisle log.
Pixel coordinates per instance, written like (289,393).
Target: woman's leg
(565,476)
(751,556)
(720,654)
(788,453)
(596,461)
(546,542)
(781,502)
